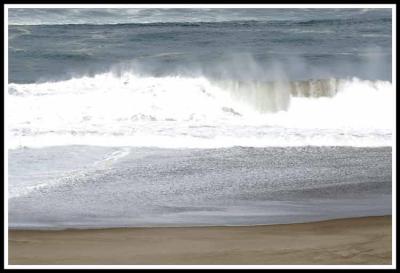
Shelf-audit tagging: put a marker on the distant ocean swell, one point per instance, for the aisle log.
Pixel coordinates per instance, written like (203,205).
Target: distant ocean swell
(178,112)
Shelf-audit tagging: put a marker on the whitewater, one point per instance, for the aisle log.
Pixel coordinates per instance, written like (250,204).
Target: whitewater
(195,112)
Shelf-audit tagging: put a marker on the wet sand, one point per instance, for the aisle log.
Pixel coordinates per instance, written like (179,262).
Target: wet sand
(366,240)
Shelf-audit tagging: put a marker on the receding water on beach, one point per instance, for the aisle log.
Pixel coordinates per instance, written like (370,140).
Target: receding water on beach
(93,187)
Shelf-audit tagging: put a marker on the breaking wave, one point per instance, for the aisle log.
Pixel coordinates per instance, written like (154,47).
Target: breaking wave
(134,110)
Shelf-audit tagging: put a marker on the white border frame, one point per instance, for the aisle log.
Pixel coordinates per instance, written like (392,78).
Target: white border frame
(270,6)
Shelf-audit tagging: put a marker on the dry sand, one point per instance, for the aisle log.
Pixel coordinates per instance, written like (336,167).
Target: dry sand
(347,241)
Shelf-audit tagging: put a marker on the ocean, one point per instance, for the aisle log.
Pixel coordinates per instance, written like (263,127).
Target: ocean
(181,117)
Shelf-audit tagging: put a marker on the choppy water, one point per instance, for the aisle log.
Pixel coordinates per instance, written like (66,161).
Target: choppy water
(124,80)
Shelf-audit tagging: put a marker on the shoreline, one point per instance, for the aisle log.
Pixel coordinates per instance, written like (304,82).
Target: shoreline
(116,228)
(365,240)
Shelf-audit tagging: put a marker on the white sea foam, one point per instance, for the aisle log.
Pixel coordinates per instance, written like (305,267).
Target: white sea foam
(26,183)
(133,110)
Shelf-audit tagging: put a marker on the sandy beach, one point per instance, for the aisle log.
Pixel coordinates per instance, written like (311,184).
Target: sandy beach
(366,240)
